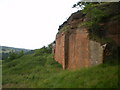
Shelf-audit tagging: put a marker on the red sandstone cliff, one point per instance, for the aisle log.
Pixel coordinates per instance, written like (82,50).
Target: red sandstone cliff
(75,49)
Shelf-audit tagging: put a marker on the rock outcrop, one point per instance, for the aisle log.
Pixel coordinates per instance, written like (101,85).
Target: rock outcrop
(75,49)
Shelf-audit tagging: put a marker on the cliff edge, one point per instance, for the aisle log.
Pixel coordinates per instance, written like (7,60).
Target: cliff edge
(89,36)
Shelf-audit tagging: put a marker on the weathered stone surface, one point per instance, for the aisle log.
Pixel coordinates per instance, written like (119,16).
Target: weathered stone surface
(113,29)
(74,50)
(77,52)
(60,49)
(95,53)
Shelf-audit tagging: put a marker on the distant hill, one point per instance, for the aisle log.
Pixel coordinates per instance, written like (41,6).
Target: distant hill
(4,50)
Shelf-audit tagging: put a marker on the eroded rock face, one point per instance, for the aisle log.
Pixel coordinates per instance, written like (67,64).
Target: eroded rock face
(74,50)
(96,53)
(77,49)
(59,54)
(113,29)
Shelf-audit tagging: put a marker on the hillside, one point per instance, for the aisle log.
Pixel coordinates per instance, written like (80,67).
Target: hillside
(42,71)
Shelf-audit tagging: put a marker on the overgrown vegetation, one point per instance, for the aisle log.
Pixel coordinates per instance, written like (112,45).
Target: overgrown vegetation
(96,15)
(14,55)
(44,72)
(40,70)
(43,50)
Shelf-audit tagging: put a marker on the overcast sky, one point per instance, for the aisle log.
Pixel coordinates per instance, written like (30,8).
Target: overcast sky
(31,24)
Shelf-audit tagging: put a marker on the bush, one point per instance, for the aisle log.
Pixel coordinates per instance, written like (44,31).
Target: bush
(44,50)
(94,16)
(15,55)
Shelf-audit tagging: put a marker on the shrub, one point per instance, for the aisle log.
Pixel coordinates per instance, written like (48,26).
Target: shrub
(14,55)
(44,50)
(94,16)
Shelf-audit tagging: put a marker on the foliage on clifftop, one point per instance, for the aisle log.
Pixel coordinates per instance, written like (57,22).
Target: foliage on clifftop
(94,17)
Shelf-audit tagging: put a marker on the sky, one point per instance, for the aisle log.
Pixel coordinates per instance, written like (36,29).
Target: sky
(32,24)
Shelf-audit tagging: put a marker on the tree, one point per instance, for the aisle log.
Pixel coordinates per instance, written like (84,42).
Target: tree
(81,4)
(21,53)
(12,55)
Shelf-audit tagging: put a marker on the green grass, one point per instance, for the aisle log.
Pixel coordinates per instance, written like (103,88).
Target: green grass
(0,73)
(32,71)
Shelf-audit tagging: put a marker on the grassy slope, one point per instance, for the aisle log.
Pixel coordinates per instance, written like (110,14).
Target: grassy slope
(43,72)
(0,74)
